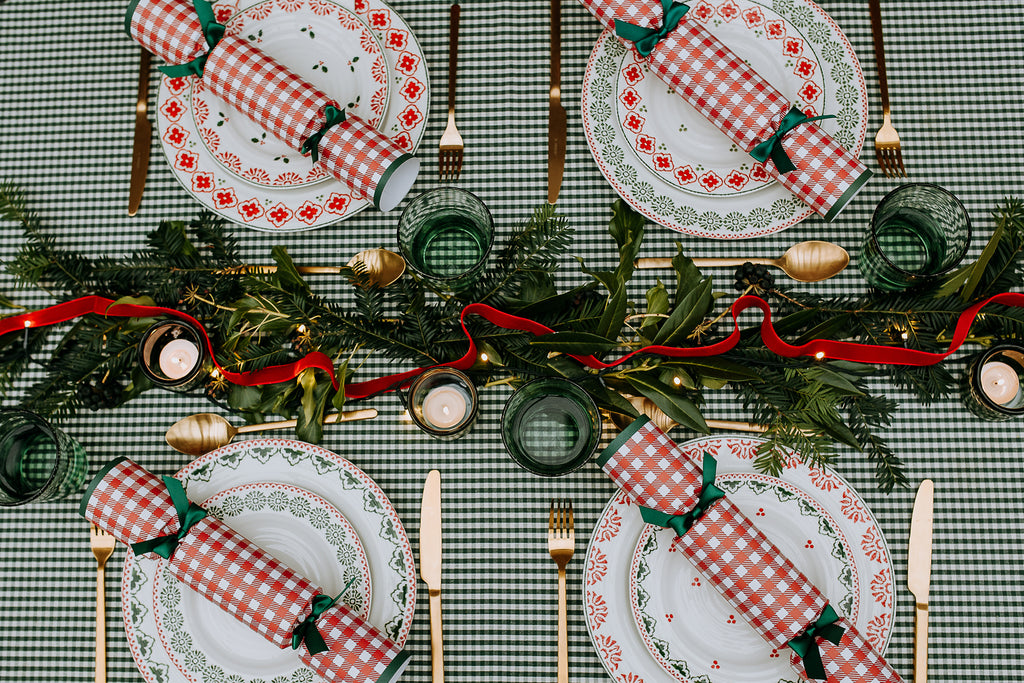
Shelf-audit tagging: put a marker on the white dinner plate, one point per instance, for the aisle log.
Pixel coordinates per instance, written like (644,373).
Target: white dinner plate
(677,168)
(308,507)
(295,204)
(653,618)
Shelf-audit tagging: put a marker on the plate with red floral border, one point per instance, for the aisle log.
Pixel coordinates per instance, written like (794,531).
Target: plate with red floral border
(678,169)
(654,619)
(314,204)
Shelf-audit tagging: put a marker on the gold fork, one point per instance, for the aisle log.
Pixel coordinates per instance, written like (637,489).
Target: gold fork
(561,544)
(887,140)
(450,155)
(102,545)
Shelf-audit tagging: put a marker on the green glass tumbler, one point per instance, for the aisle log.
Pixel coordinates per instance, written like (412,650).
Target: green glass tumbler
(550,426)
(918,233)
(37,460)
(445,235)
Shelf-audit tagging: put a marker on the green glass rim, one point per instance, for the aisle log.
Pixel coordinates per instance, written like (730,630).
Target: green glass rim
(50,432)
(521,458)
(908,274)
(411,262)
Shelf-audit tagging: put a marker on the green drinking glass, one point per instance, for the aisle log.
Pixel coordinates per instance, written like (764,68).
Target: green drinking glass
(918,233)
(445,235)
(37,460)
(550,426)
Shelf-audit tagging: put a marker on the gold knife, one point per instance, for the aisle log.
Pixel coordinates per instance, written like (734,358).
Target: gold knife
(430,566)
(919,572)
(556,112)
(143,138)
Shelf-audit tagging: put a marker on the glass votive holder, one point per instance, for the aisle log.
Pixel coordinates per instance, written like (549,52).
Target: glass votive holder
(443,402)
(173,356)
(992,387)
(37,460)
(445,235)
(550,426)
(917,233)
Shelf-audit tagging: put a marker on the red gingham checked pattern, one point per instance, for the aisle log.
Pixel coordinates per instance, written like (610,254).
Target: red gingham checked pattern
(169,29)
(243,580)
(696,65)
(752,574)
(654,473)
(853,660)
(355,651)
(276,99)
(358,154)
(131,504)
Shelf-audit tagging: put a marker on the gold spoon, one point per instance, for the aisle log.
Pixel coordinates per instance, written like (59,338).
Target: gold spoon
(203,432)
(384,267)
(811,261)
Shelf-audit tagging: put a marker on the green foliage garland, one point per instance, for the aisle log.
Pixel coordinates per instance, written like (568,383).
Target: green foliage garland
(257,319)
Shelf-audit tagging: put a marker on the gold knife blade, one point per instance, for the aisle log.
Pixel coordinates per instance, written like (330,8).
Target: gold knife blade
(430,567)
(919,573)
(556,112)
(143,138)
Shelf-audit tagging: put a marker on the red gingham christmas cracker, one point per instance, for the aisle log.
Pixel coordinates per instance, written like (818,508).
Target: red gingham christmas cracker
(169,29)
(356,651)
(130,503)
(741,103)
(751,573)
(763,585)
(243,580)
(363,156)
(276,99)
(853,660)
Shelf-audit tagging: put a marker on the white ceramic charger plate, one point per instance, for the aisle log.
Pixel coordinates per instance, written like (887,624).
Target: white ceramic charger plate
(682,629)
(227,649)
(679,170)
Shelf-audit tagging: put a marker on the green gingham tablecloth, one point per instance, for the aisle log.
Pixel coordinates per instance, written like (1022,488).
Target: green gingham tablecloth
(67,106)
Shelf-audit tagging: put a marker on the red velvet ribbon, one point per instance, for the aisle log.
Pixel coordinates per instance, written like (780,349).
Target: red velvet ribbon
(820,348)
(99,305)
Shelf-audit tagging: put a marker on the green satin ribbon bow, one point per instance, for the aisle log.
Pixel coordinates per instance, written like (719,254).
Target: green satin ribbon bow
(709,493)
(212,31)
(307,631)
(332,117)
(806,646)
(772,147)
(188,514)
(646,38)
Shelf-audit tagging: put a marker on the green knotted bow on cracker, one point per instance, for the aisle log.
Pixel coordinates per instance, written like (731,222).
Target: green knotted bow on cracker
(645,39)
(307,632)
(212,31)
(806,646)
(332,117)
(772,147)
(709,493)
(188,514)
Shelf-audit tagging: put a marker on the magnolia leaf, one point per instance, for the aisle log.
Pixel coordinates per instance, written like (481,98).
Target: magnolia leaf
(982,263)
(689,313)
(715,368)
(687,274)
(605,277)
(340,374)
(575,343)
(287,274)
(679,408)
(833,379)
(614,314)
(657,304)
(244,398)
(310,419)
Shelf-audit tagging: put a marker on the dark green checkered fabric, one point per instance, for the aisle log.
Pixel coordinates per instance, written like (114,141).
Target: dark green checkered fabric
(67,107)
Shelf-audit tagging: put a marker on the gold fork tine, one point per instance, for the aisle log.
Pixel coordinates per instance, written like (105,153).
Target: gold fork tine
(449,158)
(887,140)
(102,545)
(561,545)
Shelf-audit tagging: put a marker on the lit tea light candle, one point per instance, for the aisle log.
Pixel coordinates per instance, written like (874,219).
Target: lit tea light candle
(999,382)
(178,358)
(444,407)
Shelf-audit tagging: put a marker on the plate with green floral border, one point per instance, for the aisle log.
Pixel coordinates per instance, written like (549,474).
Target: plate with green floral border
(653,618)
(678,169)
(308,506)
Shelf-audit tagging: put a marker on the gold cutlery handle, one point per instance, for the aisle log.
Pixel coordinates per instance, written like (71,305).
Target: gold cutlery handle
(920,643)
(436,638)
(652,263)
(556,49)
(563,631)
(347,416)
(453,54)
(101,625)
(875,7)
